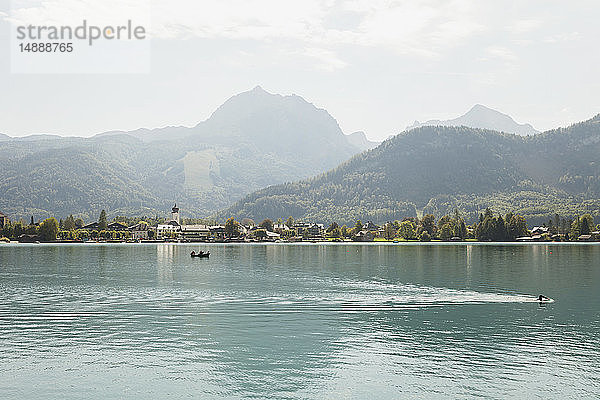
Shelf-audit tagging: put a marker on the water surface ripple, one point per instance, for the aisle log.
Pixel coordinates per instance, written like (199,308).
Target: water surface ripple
(299,321)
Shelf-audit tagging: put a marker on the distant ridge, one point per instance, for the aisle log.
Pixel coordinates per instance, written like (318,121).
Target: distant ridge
(272,120)
(360,140)
(483,117)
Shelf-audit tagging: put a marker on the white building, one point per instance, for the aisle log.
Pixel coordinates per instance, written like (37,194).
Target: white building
(172,228)
(168,231)
(195,232)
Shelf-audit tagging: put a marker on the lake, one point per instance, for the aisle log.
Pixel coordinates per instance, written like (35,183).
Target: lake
(299,321)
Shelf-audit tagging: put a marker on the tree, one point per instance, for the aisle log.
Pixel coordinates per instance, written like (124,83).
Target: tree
(484,229)
(575,229)
(6,231)
(248,222)
(333,226)
(516,226)
(290,222)
(390,231)
(31,230)
(17,229)
(407,230)
(48,230)
(102,225)
(587,224)
(79,223)
(447,231)
(232,228)
(358,226)
(581,226)
(335,232)
(460,228)
(488,213)
(267,224)
(550,226)
(491,229)
(564,226)
(344,230)
(69,223)
(425,237)
(428,224)
(443,221)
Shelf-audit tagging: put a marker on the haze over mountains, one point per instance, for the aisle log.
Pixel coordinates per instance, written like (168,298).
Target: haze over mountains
(485,118)
(435,169)
(253,140)
(270,120)
(240,159)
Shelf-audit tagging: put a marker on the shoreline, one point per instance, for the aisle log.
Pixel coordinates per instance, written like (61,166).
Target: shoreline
(321,243)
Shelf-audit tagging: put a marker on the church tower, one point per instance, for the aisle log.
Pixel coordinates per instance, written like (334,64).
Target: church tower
(175,213)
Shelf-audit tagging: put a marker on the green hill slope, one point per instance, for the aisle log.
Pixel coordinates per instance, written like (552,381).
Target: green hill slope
(437,169)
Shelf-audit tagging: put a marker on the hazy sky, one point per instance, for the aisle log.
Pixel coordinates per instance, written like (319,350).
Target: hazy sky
(375,65)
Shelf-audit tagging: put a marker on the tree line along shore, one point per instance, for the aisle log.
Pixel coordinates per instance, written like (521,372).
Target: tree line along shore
(489,227)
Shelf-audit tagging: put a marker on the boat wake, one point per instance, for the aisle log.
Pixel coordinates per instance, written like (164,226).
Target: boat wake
(379,294)
(353,296)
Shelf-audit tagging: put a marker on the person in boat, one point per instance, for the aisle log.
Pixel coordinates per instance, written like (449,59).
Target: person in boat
(541,297)
(193,253)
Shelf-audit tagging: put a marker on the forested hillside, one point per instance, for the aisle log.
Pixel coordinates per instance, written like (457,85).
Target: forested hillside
(437,169)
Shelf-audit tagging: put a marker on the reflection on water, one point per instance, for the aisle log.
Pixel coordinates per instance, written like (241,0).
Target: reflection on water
(164,263)
(299,321)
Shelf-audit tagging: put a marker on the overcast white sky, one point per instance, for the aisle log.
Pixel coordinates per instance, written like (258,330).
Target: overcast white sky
(375,65)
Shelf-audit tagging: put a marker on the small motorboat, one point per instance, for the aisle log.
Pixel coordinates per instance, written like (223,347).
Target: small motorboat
(200,254)
(543,299)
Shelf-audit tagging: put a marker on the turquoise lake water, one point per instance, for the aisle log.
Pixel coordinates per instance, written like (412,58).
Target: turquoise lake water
(306,321)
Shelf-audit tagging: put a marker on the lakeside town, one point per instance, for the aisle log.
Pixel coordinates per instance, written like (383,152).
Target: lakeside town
(490,227)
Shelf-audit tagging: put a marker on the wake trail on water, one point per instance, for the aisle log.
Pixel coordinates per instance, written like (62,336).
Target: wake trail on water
(361,296)
(376,296)
(346,296)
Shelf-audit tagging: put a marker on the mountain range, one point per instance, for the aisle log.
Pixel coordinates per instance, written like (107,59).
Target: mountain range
(253,140)
(435,169)
(267,155)
(485,118)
